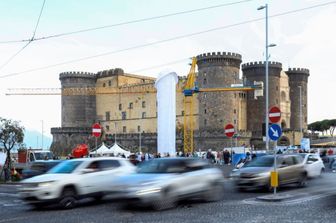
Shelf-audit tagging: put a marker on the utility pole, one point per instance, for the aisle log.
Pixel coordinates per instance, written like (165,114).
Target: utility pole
(42,133)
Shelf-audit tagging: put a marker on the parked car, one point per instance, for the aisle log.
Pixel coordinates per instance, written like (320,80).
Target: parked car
(256,174)
(74,179)
(38,168)
(161,183)
(313,164)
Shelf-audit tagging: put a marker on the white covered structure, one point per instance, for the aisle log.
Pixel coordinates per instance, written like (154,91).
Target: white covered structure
(166,108)
(115,150)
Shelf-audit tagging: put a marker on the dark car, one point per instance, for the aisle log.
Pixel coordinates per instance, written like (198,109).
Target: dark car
(38,168)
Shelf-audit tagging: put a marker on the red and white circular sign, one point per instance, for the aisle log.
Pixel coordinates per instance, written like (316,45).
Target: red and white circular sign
(274,114)
(229,130)
(96,130)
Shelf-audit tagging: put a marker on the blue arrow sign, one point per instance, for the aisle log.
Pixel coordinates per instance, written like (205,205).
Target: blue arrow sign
(274,132)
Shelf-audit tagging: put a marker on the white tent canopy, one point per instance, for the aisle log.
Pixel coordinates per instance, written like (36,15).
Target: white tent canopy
(116,150)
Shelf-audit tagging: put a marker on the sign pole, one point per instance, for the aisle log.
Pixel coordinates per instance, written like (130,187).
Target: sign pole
(231,151)
(275,168)
(96,146)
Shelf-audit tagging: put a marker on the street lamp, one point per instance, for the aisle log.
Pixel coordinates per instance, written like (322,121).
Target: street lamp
(266,86)
(300,109)
(266,75)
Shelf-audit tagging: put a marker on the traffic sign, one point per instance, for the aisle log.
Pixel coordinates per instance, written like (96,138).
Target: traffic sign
(274,132)
(96,130)
(229,130)
(274,114)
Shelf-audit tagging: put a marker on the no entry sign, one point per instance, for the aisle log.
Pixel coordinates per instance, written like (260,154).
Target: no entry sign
(229,130)
(274,114)
(96,130)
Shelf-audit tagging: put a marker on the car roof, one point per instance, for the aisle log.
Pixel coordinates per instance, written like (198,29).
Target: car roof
(99,158)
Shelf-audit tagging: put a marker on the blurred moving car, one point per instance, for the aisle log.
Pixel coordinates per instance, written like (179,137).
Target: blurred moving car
(74,179)
(161,183)
(256,174)
(313,164)
(38,168)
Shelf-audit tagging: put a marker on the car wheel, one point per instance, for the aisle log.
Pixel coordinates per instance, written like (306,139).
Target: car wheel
(167,200)
(68,200)
(321,172)
(303,180)
(214,193)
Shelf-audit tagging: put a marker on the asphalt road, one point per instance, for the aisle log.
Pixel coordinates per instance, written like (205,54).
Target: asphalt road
(314,203)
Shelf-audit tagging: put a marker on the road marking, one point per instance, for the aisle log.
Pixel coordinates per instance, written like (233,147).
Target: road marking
(304,197)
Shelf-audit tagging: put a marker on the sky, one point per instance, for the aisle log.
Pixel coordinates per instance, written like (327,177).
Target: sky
(306,38)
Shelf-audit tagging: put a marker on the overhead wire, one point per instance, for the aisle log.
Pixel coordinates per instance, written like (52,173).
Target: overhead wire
(127,22)
(165,40)
(25,46)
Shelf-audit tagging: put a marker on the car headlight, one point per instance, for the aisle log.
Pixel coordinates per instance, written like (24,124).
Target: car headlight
(45,184)
(149,191)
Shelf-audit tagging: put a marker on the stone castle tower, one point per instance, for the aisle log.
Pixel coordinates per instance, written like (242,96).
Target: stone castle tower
(298,82)
(216,109)
(78,110)
(255,71)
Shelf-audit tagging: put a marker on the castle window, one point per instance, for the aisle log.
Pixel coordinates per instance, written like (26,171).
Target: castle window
(143,114)
(143,80)
(107,116)
(182,113)
(123,115)
(234,111)
(104,84)
(205,122)
(204,81)
(205,111)
(130,105)
(107,128)
(143,104)
(235,121)
(109,83)
(120,107)
(139,129)
(205,74)
(276,88)
(124,129)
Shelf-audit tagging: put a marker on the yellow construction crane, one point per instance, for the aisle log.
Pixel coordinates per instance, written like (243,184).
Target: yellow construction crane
(190,89)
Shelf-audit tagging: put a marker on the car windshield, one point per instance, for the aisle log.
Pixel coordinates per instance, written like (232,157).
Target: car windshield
(263,161)
(43,156)
(162,166)
(66,167)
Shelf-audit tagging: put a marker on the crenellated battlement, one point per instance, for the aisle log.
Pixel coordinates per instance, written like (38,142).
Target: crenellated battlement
(219,55)
(77,74)
(297,70)
(259,64)
(110,72)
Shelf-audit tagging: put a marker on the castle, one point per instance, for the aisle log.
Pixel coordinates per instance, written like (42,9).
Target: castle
(128,113)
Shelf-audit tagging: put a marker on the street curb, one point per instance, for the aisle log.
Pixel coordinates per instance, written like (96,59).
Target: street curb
(275,198)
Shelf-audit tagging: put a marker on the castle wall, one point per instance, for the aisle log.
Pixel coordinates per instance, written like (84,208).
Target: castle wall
(78,110)
(217,70)
(284,101)
(298,77)
(255,71)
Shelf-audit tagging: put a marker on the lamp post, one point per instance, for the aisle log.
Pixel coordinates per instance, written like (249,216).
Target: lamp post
(300,109)
(266,74)
(267,45)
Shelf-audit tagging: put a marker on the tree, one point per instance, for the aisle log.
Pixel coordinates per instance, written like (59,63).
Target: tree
(11,134)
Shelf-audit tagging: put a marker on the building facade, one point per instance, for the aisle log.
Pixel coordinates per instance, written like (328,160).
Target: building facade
(128,113)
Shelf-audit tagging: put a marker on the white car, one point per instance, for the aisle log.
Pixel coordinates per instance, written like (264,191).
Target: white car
(313,164)
(74,179)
